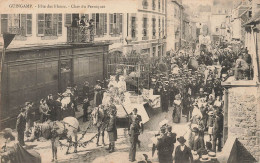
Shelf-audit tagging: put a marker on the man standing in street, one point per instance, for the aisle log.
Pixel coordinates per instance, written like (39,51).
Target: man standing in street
(171,138)
(134,117)
(86,104)
(164,148)
(164,98)
(20,125)
(217,130)
(182,152)
(30,113)
(112,131)
(134,133)
(75,97)
(85,90)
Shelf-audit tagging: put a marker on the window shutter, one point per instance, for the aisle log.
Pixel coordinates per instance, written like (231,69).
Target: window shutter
(105,23)
(4,23)
(23,24)
(111,16)
(120,23)
(29,24)
(101,24)
(117,24)
(55,25)
(40,24)
(68,19)
(60,24)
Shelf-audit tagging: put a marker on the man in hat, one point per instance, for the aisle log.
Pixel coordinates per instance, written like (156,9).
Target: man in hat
(173,91)
(85,90)
(30,113)
(133,133)
(164,148)
(20,125)
(182,152)
(75,97)
(197,142)
(97,94)
(85,106)
(82,21)
(241,67)
(171,138)
(136,118)
(218,129)
(112,131)
(164,98)
(52,109)
(57,106)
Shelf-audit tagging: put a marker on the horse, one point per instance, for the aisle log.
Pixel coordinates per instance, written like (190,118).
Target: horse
(68,128)
(99,117)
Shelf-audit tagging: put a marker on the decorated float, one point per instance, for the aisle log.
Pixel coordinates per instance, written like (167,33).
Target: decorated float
(129,85)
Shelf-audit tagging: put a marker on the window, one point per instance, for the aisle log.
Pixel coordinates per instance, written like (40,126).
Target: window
(133,25)
(162,5)
(100,23)
(145,27)
(145,4)
(163,27)
(154,27)
(49,24)
(19,24)
(154,5)
(154,51)
(159,5)
(115,24)
(217,30)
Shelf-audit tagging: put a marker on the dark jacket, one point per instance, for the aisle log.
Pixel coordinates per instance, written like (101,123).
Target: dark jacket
(111,129)
(164,149)
(85,91)
(218,124)
(21,122)
(184,156)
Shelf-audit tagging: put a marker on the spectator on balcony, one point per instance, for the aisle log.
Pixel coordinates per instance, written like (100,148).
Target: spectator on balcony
(241,67)
(248,59)
(91,30)
(75,22)
(82,21)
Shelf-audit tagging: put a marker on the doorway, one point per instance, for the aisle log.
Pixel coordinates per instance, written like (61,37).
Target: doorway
(65,74)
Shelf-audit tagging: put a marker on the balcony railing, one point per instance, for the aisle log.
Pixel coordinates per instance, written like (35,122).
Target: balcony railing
(80,34)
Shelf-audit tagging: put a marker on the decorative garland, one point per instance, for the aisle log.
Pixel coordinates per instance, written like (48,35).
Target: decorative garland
(72,143)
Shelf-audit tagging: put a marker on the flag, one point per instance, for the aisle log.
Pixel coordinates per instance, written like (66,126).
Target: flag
(8,38)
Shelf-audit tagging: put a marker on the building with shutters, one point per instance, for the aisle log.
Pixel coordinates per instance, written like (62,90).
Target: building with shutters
(43,59)
(145,30)
(174,24)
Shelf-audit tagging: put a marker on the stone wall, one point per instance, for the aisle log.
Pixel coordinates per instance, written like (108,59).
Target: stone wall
(243,106)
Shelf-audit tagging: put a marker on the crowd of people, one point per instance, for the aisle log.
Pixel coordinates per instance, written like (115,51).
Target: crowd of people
(191,85)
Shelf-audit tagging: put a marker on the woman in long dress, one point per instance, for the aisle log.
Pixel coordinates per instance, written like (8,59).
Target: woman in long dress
(176,115)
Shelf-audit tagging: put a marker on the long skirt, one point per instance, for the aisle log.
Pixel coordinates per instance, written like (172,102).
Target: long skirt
(176,115)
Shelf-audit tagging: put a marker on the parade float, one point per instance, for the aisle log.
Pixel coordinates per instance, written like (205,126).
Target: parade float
(129,85)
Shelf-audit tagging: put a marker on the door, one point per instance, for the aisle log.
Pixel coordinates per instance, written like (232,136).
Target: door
(65,74)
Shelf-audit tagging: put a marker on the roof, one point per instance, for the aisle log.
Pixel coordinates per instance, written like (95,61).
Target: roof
(177,3)
(254,20)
